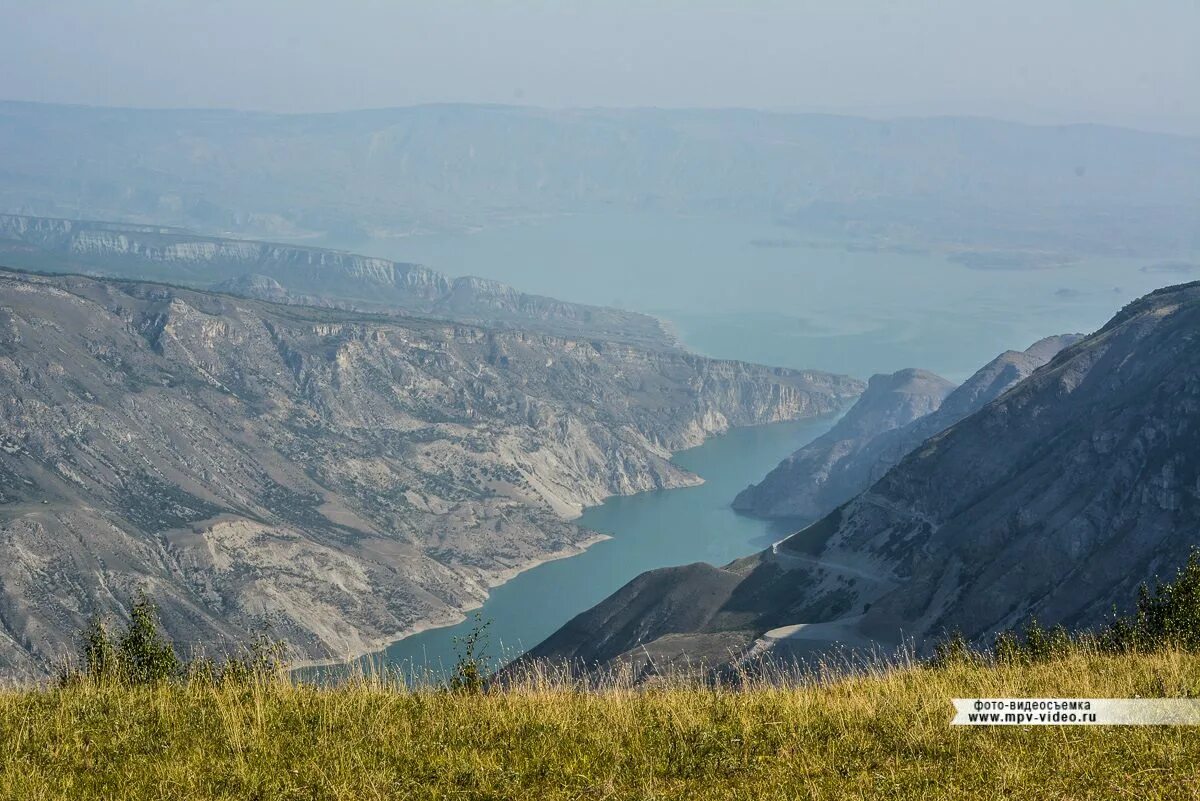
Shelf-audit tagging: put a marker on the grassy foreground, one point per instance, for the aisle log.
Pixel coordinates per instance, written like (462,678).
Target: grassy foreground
(882,736)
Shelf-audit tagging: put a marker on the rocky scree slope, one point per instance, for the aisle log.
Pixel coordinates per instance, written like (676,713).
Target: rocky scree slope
(337,479)
(894,419)
(300,275)
(1055,501)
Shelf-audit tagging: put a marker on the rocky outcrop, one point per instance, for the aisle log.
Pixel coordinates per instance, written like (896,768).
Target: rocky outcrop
(302,275)
(336,478)
(891,419)
(828,471)
(1054,501)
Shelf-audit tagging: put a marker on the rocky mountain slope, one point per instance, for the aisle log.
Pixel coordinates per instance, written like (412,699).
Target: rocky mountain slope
(300,275)
(883,427)
(336,478)
(1053,501)
(825,473)
(936,182)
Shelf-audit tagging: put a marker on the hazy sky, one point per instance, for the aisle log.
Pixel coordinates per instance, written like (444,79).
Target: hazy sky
(1116,61)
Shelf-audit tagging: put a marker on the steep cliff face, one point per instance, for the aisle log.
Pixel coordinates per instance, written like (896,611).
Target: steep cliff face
(850,458)
(303,275)
(336,478)
(826,473)
(1055,501)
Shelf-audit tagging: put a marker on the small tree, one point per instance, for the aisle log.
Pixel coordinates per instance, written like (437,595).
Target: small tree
(146,656)
(141,654)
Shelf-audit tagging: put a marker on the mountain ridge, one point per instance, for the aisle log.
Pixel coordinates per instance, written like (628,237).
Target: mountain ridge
(828,472)
(823,474)
(933,183)
(1053,501)
(314,276)
(336,478)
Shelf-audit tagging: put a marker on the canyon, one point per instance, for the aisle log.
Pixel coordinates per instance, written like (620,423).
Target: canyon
(1054,501)
(328,476)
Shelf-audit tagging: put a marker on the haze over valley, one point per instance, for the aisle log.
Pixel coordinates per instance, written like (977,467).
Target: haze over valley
(812,241)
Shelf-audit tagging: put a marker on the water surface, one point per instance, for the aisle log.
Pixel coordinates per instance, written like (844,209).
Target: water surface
(750,290)
(648,530)
(744,289)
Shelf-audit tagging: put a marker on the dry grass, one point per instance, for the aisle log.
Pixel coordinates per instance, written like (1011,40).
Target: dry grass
(877,736)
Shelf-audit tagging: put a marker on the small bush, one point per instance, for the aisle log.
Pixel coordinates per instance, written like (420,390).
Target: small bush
(1170,616)
(1166,618)
(142,655)
(263,658)
(99,655)
(472,668)
(953,650)
(1007,650)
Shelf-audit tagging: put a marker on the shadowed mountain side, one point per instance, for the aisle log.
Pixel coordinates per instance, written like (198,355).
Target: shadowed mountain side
(828,471)
(1055,500)
(831,470)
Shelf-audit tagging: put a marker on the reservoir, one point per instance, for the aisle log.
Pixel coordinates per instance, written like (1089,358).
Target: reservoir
(648,530)
(747,289)
(744,290)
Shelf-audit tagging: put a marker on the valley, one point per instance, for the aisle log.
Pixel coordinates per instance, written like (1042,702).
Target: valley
(1053,502)
(563,401)
(333,478)
(642,532)
(486,353)
(537,522)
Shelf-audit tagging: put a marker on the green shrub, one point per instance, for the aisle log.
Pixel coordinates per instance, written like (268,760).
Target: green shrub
(472,667)
(142,654)
(1170,616)
(953,650)
(1166,618)
(99,656)
(263,658)
(1007,650)
(145,655)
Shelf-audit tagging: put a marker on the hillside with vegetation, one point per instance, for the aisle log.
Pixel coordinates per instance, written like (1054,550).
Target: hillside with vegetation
(883,735)
(133,720)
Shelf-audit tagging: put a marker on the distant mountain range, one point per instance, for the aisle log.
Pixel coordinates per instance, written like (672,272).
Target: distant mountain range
(1033,193)
(336,478)
(1053,501)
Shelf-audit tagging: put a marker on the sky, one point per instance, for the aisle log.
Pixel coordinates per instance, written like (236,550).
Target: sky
(1049,61)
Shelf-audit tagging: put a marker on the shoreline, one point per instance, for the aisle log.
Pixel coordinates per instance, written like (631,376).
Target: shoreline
(492,581)
(504,575)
